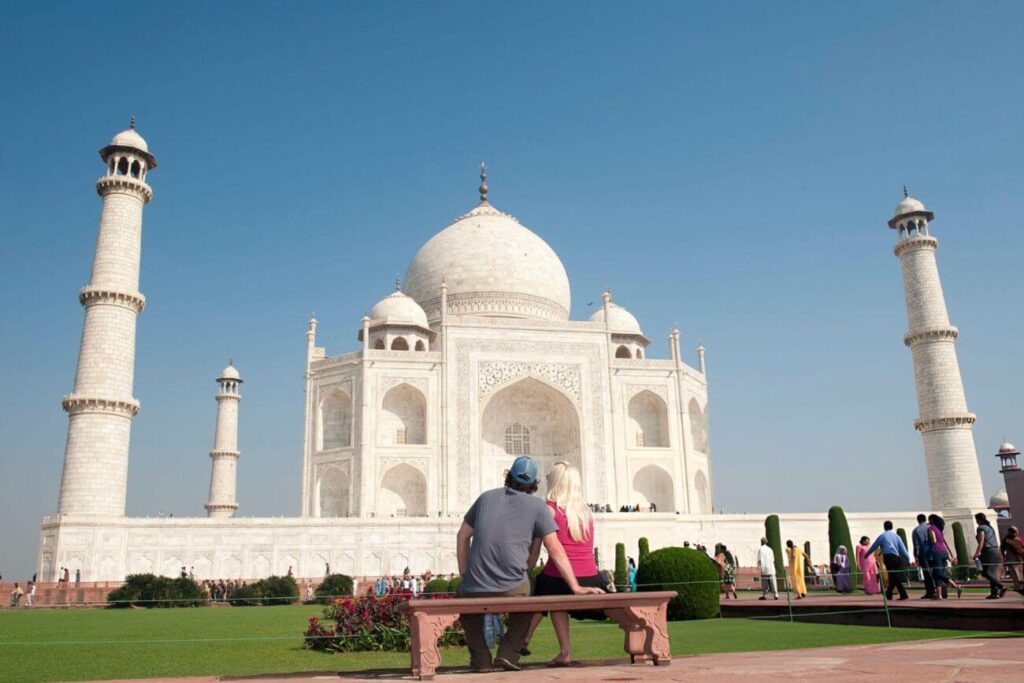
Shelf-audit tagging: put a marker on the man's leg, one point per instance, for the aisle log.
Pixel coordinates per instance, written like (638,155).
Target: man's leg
(518,626)
(775,586)
(929,582)
(473,625)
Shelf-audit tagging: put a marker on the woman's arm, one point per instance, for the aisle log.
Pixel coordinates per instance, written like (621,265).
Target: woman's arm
(981,544)
(531,560)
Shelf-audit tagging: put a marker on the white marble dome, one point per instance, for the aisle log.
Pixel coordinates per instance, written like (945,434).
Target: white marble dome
(999,499)
(908,205)
(230,372)
(1007,447)
(493,266)
(619,319)
(398,309)
(129,137)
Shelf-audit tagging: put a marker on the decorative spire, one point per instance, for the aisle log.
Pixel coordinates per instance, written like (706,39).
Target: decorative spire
(483,183)
(131,124)
(398,283)
(231,363)
(905,193)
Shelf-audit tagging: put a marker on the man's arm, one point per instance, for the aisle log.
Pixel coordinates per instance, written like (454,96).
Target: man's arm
(557,555)
(874,546)
(462,546)
(531,560)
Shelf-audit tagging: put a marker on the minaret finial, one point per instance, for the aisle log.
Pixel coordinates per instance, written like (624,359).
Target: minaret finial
(483,182)
(131,124)
(905,193)
(231,362)
(398,283)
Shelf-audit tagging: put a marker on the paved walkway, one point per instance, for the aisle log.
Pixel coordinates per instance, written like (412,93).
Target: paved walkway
(969,660)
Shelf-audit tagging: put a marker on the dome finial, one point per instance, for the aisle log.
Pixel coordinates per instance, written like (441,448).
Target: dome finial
(398,283)
(131,123)
(231,361)
(905,193)
(483,182)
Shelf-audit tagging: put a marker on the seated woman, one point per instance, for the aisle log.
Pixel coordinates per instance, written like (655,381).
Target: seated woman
(576,534)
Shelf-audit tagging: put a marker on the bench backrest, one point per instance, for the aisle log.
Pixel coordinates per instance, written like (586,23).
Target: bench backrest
(543,603)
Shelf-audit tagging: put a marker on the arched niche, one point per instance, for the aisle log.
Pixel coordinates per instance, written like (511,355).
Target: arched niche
(648,420)
(703,490)
(528,415)
(402,493)
(403,416)
(335,420)
(623,352)
(333,493)
(399,344)
(652,484)
(698,426)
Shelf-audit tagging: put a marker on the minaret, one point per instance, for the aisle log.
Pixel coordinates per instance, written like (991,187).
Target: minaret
(101,407)
(946,425)
(225,446)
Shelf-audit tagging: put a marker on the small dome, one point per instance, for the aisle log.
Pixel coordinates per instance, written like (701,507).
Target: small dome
(908,205)
(1007,447)
(230,372)
(619,319)
(999,499)
(129,137)
(398,309)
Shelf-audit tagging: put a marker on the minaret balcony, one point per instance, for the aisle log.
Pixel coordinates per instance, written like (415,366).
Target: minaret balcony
(97,295)
(126,184)
(74,404)
(915,243)
(928,424)
(949,333)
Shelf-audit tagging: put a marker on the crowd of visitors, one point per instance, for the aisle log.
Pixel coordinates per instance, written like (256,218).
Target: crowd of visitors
(220,590)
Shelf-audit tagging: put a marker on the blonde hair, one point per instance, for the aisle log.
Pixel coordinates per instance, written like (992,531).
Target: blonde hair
(565,489)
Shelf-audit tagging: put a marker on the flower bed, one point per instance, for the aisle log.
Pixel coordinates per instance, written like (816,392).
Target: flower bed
(368,622)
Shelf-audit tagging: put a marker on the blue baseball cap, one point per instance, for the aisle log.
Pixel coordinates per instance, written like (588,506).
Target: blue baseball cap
(524,470)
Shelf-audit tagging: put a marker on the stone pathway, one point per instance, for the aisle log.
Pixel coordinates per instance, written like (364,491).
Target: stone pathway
(968,660)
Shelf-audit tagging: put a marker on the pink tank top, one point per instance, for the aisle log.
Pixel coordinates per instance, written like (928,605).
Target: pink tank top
(580,553)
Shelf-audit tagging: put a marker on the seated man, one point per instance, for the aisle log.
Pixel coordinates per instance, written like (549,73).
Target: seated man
(502,525)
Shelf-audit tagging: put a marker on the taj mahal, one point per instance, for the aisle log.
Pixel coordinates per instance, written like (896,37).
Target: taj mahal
(472,360)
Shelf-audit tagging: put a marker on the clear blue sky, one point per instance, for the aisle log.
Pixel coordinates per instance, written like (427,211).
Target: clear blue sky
(726,166)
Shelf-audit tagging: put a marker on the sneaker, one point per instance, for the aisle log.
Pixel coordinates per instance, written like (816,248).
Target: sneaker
(994,596)
(1002,591)
(506,664)
(525,652)
(762,598)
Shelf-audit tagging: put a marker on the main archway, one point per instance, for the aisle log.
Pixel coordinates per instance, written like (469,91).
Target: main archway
(531,418)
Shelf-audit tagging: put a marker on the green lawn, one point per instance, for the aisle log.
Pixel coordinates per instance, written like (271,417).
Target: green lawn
(50,645)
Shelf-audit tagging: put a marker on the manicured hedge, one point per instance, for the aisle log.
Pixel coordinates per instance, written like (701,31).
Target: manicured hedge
(688,572)
(334,585)
(273,590)
(621,568)
(774,536)
(149,590)
(453,584)
(436,586)
(962,571)
(839,534)
(644,548)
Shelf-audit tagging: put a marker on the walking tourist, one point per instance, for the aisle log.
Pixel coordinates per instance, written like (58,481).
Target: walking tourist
(796,559)
(631,573)
(16,595)
(576,535)
(727,572)
(938,559)
(868,566)
(30,597)
(67,575)
(1013,557)
(78,576)
(766,567)
(990,556)
(841,570)
(895,557)
(919,539)
(499,533)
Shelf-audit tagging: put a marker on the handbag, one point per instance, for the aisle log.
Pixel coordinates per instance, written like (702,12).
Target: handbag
(607,580)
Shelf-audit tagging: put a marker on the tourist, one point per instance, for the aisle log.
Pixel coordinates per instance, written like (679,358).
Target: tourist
(576,536)
(78,576)
(868,566)
(31,597)
(991,558)
(895,557)
(841,570)
(499,534)
(795,574)
(631,572)
(938,554)
(67,575)
(184,575)
(1013,556)
(919,539)
(727,572)
(309,591)
(16,595)
(766,566)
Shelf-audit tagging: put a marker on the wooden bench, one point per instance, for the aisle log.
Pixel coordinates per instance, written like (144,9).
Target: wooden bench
(642,616)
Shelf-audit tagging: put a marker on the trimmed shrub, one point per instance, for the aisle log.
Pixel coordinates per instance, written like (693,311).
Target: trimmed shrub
(690,573)
(902,533)
(334,585)
(245,596)
(149,590)
(621,568)
(278,590)
(774,536)
(597,558)
(644,549)
(438,586)
(807,552)
(453,584)
(839,534)
(962,571)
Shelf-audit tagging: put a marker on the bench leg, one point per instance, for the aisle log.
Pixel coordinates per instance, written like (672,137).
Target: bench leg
(646,633)
(424,630)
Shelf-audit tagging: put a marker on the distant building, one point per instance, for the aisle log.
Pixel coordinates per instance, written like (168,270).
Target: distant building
(1008,502)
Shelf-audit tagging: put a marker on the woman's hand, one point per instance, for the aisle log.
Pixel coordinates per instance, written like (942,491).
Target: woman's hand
(586,590)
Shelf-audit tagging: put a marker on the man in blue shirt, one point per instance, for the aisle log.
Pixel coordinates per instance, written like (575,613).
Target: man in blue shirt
(921,552)
(895,556)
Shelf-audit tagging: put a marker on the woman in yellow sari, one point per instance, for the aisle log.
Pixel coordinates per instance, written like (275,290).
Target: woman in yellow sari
(796,569)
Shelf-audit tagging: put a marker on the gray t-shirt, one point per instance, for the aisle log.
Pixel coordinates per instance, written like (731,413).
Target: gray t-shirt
(504,522)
